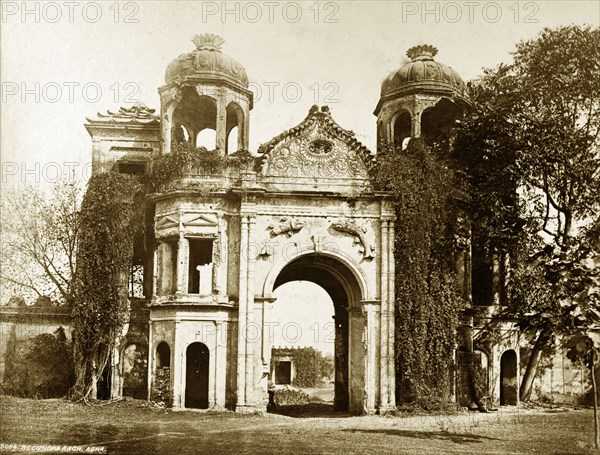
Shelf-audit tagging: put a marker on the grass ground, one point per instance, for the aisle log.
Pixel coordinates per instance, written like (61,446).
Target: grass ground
(134,427)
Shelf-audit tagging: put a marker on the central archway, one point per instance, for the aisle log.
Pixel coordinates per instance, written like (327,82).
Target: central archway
(341,284)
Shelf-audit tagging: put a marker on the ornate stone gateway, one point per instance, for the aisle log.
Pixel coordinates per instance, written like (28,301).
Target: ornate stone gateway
(292,218)
(223,242)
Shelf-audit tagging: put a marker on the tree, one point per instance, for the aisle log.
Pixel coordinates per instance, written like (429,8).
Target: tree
(39,242)
(585,347)
(310,366)
(531,149)
(111,214)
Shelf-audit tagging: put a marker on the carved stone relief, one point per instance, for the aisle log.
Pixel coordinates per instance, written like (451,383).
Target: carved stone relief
(359,233)
(287,226)
(314,156)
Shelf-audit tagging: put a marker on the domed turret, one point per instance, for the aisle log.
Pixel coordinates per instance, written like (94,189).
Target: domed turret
(422,73)
(206,100)
(421,98)
(207,61)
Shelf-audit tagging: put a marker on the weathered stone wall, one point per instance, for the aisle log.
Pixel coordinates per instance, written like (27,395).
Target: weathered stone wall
(29,322)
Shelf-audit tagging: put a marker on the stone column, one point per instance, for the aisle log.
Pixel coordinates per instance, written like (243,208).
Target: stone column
(213,359)
(177,366)
(179,262)
(151,360)
(243,132)
(155,269)
(416,124)
(357,361)
(242,309)
(383,381)
(220,364)
(373,355)
(185,257)
(390,309)
(166,122)
(221,139)
(495,278)
(250,342)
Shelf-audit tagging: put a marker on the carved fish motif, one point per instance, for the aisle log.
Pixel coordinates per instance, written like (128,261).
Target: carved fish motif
(359,233)
(286,225)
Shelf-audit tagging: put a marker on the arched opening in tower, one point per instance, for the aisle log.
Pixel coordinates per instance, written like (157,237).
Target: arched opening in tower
(402,129)
(235,116)
(195,120)
(437,123)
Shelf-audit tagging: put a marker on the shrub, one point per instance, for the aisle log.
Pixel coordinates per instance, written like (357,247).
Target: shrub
(288,397)
(39,368)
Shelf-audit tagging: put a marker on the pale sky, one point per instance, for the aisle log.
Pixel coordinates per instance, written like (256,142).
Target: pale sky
(335,53)
(302,316)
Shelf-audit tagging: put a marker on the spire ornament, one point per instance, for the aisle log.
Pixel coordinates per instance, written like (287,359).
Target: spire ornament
(208,42)
(422,52)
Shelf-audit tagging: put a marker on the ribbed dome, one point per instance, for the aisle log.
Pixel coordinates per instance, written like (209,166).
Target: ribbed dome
(207,61)
(422,73)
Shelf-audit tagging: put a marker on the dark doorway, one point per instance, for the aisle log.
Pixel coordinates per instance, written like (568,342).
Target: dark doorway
(508,379)
(283,372)
(104,382)
(196,378)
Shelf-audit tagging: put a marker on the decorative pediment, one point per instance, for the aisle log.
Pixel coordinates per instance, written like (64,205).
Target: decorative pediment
(200,220)
(167,222)
(317,148)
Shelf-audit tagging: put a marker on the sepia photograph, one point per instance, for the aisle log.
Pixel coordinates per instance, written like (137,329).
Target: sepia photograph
(300,227)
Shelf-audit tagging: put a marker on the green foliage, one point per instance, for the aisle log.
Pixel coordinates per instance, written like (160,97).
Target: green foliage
(184,158)
(531,148)
(110,216)
(310,367)
(427,301)
(39,368)
(288,397)
(188,159)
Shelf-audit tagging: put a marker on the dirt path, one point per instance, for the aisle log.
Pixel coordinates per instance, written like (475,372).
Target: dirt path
(136,428)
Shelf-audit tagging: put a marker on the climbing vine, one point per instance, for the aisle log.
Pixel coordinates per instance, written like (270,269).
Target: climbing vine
(427,298)
(186,158)
(110,215)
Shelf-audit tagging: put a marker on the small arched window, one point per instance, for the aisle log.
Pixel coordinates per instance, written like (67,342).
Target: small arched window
(163,355)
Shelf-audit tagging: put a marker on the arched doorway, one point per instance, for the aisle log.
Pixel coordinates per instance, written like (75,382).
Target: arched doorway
(196,377)
(342,285)
(509,386)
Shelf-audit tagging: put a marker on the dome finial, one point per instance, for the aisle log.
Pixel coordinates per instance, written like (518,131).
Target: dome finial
(208,41)
(422,52)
